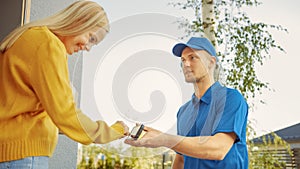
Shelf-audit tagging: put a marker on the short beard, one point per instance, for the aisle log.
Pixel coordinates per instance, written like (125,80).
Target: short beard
(192,80)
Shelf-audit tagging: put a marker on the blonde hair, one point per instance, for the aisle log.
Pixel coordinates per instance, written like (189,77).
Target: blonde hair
(79,17)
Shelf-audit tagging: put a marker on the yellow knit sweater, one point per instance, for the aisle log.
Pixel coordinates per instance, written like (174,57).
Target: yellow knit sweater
(36,99)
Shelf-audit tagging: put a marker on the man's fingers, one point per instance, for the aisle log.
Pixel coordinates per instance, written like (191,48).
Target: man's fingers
(133,142)
(146,128)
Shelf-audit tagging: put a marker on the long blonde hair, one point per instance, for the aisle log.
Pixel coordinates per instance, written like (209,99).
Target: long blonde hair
(79,17)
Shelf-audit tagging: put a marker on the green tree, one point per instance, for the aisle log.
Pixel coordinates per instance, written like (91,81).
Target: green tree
(242,45)
(137,157)
(264,153)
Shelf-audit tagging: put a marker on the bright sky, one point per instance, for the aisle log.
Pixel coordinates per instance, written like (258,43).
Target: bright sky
(280,71)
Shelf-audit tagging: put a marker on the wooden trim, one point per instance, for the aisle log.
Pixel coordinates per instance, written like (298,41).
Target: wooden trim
(26,5)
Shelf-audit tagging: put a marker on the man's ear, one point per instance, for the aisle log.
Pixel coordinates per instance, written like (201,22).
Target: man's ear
(212,61)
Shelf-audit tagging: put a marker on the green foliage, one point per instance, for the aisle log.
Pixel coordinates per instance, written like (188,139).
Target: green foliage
(112,157)
(242,43)
(268,151)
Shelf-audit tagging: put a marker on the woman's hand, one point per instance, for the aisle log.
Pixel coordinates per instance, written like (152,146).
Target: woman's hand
(121,128)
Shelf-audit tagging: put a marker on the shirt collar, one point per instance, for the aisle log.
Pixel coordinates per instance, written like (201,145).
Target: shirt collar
(195,100)
(206,98)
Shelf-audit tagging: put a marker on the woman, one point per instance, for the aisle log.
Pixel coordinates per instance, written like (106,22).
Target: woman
(36,99)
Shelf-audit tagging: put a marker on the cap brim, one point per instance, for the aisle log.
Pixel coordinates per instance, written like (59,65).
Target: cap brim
(178,48)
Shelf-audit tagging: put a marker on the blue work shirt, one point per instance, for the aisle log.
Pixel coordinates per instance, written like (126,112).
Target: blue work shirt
(219,110)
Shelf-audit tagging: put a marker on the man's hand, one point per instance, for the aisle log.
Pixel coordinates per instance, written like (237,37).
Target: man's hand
(152,138)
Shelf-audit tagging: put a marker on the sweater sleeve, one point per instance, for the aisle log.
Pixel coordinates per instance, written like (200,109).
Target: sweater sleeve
(50,81)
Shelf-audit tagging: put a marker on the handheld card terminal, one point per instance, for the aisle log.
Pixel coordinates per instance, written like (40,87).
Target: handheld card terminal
(137,131)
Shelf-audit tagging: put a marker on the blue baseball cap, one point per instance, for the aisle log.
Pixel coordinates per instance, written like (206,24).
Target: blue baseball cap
(195,43)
